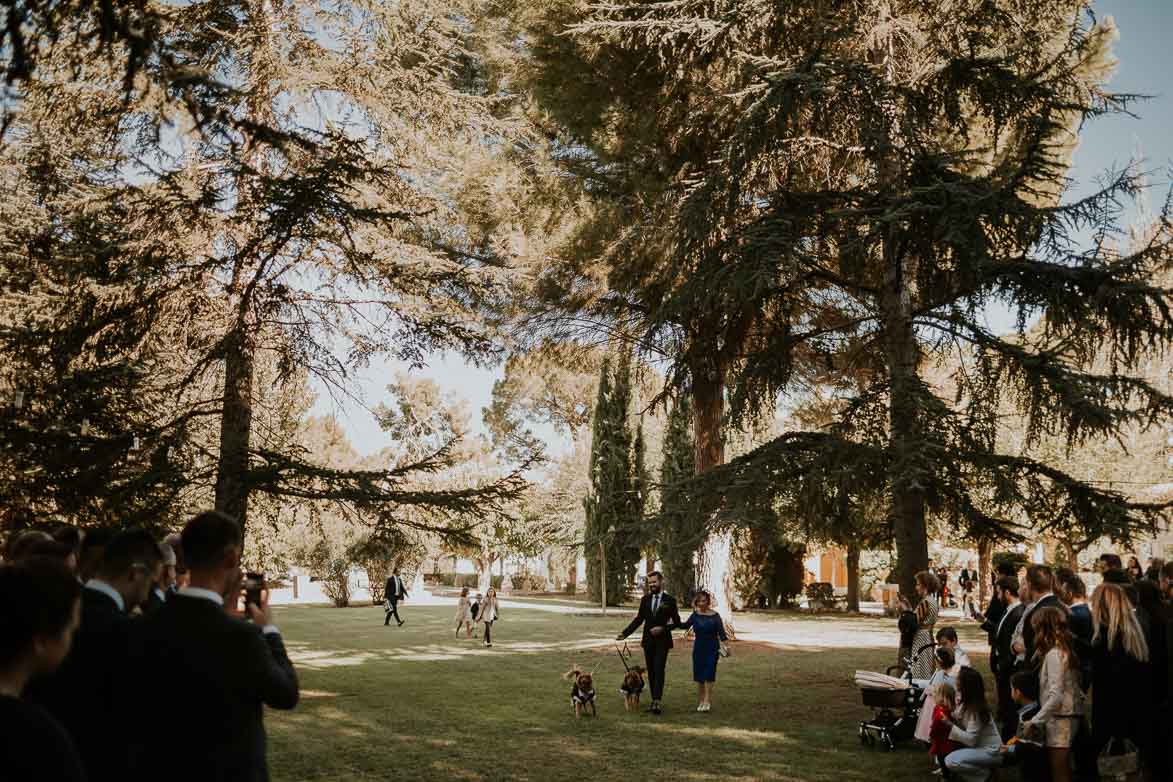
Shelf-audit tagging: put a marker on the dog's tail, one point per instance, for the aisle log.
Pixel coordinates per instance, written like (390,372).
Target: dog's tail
(572,674)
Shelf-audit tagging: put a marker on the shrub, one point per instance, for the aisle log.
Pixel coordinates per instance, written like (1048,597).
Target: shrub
(529,583)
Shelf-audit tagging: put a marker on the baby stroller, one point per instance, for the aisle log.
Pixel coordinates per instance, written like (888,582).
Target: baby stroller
(895,701)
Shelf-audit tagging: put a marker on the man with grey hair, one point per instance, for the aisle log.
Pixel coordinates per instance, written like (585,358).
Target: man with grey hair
(166,583)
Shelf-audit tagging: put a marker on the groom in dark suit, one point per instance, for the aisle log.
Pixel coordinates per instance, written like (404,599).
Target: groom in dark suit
(659,616)
(394,591)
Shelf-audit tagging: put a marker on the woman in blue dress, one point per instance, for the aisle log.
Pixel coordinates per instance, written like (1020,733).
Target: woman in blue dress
(709,632)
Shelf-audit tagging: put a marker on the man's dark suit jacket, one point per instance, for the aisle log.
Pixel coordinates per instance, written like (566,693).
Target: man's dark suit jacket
(83,694)
(1028,633)
(993,615)
(393,594)
(668,617)
(214,672)
(1003,653)
(152,604)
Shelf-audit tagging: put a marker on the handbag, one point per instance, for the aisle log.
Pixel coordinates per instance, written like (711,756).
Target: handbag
(1123,766)
(723,650)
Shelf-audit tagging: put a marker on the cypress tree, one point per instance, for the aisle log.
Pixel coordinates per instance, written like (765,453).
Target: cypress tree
(681,526)
(613,501)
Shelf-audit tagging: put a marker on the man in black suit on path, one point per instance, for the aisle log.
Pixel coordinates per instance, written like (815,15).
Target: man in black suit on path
(393,592)
(83,694)
(659,616)
(220,670)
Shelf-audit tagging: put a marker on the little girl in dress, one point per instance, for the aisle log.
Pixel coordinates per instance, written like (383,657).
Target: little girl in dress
(464,613)
(945,702)
(943,675)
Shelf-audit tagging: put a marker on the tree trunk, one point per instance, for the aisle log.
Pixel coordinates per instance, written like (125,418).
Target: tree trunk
(985,554)
(715,560)
(572,576)
(853,577)
(649,563)
(907,474)
(232,487)
(485,576)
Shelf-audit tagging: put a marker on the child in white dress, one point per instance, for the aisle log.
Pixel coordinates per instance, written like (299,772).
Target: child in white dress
(464,613)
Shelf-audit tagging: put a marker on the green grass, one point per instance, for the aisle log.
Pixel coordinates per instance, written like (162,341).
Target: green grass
(414,703)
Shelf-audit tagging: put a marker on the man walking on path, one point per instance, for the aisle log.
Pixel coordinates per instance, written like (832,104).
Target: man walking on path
(659,616)
(394,592)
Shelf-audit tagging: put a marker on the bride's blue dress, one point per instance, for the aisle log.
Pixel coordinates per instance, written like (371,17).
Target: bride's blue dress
(709,632)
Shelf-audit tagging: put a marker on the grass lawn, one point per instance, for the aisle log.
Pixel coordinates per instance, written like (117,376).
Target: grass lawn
(414,703)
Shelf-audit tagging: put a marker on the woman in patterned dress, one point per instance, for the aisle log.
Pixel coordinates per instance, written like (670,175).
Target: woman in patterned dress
(927,589)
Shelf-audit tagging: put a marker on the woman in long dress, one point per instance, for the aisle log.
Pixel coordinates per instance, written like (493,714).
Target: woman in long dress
(709,632)
(927,589)
(464,613)
(489,614)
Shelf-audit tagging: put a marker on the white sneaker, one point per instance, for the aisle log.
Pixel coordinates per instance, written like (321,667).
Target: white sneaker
(700,707)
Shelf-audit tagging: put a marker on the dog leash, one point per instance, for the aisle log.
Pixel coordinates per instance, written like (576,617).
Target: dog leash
(623,653)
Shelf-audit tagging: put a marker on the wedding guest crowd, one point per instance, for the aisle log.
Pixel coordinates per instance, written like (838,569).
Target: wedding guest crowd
(1079,683)
(95,624)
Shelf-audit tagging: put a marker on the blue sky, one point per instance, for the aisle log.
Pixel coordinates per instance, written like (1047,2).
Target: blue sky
(1145,52)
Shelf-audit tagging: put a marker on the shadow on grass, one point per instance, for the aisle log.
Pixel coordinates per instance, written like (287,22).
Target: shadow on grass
(402,703)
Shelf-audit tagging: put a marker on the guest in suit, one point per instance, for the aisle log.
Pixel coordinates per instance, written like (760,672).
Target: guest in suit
(93,546)
(1002,662)
(1040,583)
(1072,592)
(993,615)
(84,694)
(161,588)
(393,592)
(659,616)
(222,670)
(39,612)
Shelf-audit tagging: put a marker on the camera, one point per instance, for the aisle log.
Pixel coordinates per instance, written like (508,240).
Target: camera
(253,584)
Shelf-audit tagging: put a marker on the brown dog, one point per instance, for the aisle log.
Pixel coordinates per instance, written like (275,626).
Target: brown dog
(582,694)
(633,685)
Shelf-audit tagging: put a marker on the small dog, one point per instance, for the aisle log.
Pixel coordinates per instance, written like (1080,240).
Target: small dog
(582,694)
(633,685)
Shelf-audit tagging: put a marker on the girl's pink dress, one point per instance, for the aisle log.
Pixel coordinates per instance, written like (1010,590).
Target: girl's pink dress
(924,722)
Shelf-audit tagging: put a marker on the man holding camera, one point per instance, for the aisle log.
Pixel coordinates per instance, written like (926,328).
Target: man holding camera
(220,669)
